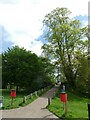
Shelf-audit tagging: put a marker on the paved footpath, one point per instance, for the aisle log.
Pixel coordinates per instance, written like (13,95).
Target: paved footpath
(36,109)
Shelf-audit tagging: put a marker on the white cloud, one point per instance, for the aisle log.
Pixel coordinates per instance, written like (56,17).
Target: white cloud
(24,19)
(29,43)
(36,47)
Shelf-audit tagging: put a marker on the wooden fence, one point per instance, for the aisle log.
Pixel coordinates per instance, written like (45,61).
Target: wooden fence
(36,93)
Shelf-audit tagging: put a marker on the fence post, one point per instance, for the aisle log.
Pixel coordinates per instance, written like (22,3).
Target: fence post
(1,101)
(31,95)
(12,101)
(24,99)
(36,93)
(48,101)
(42,90)
(65,107)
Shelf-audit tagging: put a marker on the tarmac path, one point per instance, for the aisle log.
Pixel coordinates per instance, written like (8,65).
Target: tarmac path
(36,109)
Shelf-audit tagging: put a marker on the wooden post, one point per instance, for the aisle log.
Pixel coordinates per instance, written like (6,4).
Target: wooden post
(24,99)
(65,107)
(12,101)
(31,95)
(36,93)
(1,101)
(48,101)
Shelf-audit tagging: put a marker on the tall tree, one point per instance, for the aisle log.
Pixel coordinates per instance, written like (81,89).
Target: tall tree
(64,40)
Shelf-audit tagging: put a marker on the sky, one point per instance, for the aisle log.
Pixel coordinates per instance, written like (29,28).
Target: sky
(21,21)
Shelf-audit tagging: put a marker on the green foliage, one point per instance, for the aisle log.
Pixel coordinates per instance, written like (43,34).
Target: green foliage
(67,42)
(25,70)
(82,79)
(76,106)
(17,102)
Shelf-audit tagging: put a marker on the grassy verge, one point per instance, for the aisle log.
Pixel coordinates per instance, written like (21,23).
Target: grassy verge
(77,106)
(18,101)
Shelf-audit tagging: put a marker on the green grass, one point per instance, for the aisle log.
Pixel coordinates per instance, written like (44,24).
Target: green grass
(17,101)
(77,106)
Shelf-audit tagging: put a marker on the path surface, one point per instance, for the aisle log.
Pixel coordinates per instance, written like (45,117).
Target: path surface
(36,109)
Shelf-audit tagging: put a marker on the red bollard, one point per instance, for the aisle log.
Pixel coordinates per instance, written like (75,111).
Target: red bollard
(13,95)
(63,98)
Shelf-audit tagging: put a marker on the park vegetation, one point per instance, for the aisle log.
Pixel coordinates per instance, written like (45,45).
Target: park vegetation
(24,70)
(67,45)
(76,106)
(65,54)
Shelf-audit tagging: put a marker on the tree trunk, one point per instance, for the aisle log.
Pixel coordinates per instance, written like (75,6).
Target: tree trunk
(17,88)
(70,78)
